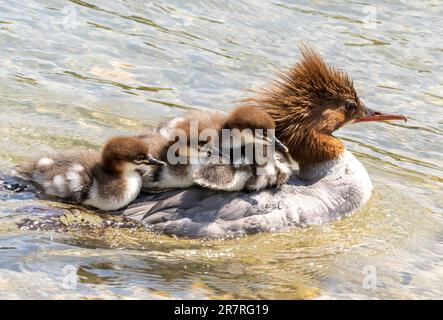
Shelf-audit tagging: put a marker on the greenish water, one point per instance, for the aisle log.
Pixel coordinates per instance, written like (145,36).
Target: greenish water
(75,73)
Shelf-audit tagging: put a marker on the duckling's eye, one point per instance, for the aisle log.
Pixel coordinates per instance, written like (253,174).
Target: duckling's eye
(141,157)
(350,106)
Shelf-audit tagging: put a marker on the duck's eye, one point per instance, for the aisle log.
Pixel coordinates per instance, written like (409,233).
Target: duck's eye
(350,106)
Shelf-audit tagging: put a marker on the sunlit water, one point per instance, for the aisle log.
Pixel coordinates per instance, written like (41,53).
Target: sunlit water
(75,73)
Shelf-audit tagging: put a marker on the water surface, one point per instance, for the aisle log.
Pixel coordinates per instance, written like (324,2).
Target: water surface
(75,73)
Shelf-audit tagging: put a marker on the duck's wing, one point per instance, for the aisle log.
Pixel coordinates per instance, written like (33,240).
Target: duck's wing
(199,212)
(196,212)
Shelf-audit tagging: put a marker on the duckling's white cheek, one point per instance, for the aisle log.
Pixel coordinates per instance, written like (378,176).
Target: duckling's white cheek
(133,186)
(59,183)
(45,162)
(130,188)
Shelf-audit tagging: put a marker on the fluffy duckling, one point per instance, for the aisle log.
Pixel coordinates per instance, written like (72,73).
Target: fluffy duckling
(179,168)
(200,159)
(259,128)
(108,180)
(178,144)
(248,159)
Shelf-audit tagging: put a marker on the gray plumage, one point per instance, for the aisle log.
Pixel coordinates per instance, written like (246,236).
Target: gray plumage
(319,193)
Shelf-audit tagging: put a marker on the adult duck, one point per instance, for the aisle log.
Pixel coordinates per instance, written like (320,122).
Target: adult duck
(308,103)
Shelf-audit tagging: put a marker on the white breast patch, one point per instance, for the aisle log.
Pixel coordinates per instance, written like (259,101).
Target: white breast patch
(133,183)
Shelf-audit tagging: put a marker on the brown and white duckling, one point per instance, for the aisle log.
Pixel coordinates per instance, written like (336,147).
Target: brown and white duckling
(179,145)
(174,175)
(190,147)
(251,157)
(108,180)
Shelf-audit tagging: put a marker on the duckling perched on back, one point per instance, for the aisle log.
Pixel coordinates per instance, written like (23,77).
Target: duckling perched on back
(178,140)
(178,171)
(248,144)
(108,180)
(193,147)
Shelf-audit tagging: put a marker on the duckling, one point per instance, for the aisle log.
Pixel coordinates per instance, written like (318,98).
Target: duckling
(197,159)
(179,169)
(108,180)
(242,167)
(179,145)
(190,147)
(207,120)
(192,136)
(260,124)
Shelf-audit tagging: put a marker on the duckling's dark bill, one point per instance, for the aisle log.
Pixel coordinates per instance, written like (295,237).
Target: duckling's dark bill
(278,144)
(152,160)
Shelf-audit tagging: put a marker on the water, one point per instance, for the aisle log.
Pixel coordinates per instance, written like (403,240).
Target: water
(75,73)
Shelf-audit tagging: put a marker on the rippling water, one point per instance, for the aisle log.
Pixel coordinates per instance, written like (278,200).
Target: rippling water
(74,73)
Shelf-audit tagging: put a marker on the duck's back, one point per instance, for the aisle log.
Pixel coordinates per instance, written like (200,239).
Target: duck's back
(341,187)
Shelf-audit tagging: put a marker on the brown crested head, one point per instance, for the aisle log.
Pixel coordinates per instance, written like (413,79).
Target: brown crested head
(119,151)
(309,102)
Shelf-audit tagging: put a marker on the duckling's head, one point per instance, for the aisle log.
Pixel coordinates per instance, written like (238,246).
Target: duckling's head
(121,153)
(247,117)
(261,124)
(309,102)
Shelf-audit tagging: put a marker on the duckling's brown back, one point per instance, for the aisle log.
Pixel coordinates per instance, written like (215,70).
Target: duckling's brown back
(249,117)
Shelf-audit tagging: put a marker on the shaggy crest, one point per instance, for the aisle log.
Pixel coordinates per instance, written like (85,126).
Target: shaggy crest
(299,100)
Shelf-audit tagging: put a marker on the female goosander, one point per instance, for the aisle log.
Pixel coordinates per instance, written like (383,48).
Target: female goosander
(107,181)
(249,158)
(308,103)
